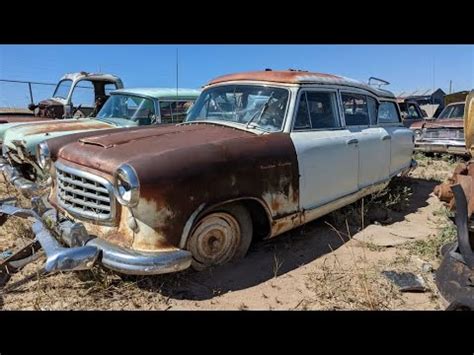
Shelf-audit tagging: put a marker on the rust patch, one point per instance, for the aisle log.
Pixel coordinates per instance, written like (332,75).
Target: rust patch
(183,167)
(21,118)
(463,175)
(279,76)
(62,126)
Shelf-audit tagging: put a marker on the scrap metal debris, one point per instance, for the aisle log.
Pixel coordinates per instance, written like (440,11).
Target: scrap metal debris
(406,281)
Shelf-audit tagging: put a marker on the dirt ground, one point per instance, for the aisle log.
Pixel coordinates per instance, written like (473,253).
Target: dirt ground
(335,262)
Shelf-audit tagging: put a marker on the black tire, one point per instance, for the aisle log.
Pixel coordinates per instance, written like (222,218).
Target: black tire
(228,216)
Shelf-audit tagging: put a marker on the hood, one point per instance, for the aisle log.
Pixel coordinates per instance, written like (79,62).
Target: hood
(6,126)
(108,151)
(438,123)
(50,102)
(32,134)
(20,118)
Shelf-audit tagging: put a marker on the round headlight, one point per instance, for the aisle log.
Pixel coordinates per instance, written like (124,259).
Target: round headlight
(43,156)
(126,186)
(418,134)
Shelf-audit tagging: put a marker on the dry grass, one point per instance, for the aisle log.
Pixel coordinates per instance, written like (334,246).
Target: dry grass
(429,248)
(376,207)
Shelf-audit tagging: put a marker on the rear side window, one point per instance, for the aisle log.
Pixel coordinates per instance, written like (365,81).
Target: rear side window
(316,110)
(356,110)
(174,111)
(388,113)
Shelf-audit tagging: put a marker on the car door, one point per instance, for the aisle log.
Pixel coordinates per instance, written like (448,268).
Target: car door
(402,138)
(360,112)
(327,153)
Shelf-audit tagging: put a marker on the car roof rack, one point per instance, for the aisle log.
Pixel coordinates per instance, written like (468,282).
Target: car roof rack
(373,81)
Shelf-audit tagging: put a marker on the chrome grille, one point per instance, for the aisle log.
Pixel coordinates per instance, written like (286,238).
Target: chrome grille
(84,194)
(444,134)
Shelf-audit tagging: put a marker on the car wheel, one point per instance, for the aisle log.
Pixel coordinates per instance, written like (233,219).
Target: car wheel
(221,236)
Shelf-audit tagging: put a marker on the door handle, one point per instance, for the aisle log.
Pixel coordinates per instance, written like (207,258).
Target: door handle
(352,141)
(387,138)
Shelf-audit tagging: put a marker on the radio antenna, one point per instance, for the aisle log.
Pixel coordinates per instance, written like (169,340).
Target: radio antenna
(177,69)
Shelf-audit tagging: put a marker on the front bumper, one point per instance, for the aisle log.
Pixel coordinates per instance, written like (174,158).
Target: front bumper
(441,146)
(14,177)
(69,247)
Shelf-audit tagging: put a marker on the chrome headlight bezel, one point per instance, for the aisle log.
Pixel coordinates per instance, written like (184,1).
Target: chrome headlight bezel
(126,186)
(43,156)
(418,133)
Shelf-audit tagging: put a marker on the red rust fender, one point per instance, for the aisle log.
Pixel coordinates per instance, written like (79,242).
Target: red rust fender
(186,183)
(185,170)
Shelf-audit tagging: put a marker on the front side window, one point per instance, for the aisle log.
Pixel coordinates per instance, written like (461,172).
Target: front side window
(316,110)
(388,113)
(83,94)
(412,112)
(174,111)
(356,111)
(133,108)
(62,90)
(255,106)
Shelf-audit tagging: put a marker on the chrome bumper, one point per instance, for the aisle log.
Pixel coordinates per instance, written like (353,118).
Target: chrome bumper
(441,146)
(83,251)
(14,177)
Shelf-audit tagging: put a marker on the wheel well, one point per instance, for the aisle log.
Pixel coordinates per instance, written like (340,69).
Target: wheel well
(260,220)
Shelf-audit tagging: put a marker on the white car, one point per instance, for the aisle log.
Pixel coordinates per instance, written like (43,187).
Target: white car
(259,153)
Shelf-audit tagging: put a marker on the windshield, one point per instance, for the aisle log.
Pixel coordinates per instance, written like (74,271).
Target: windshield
(453,111)
(258,106)
(62,90)
(128,107)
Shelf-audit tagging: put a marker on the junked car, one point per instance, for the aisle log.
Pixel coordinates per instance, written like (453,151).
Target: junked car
(411,112)
(260,153)
(445,134)
(76,95)
(125,108)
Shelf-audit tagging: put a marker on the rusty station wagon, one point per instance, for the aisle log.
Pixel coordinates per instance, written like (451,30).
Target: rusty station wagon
(260,153)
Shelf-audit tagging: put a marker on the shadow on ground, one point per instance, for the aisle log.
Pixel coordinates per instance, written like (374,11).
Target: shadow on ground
(272,258)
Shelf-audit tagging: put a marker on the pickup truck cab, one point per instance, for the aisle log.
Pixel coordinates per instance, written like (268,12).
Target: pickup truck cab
(76,95)
(260,153)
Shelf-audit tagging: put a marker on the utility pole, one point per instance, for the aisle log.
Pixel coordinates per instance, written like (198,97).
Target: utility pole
(450,86)
(177,77)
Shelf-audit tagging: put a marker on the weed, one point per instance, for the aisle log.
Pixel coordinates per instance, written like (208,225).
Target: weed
(429,248)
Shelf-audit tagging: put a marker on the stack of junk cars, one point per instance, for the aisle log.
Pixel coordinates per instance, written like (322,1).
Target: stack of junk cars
(157,180)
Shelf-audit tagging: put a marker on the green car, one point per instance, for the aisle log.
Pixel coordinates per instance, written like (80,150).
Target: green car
(124,108)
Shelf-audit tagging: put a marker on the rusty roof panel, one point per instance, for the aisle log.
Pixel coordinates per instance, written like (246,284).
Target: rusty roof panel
(297,77)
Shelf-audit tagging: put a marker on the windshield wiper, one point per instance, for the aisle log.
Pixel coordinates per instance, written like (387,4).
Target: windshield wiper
(261,111)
